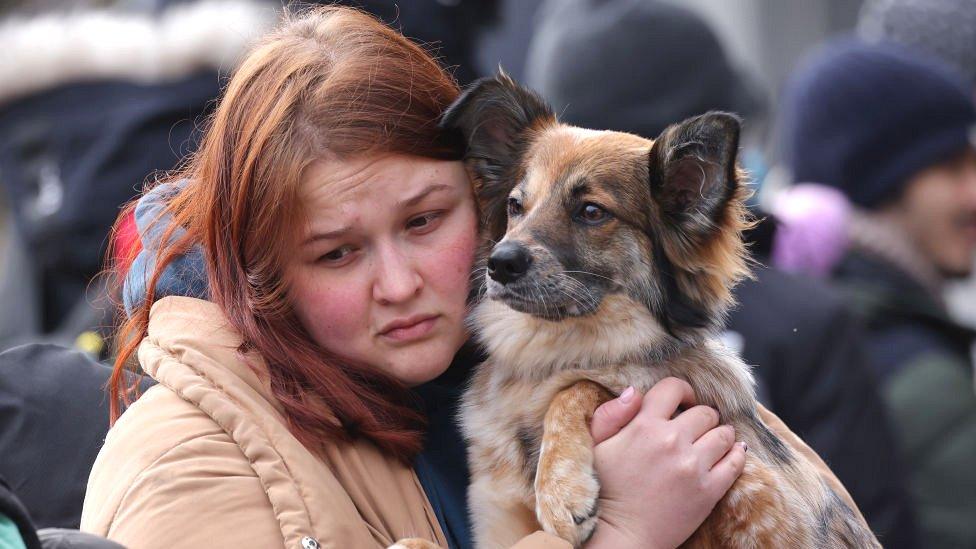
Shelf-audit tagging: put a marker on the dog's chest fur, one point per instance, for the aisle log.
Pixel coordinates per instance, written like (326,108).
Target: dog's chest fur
(531,360)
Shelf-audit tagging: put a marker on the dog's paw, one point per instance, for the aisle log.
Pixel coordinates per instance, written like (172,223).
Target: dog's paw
(414,543)
(566,493)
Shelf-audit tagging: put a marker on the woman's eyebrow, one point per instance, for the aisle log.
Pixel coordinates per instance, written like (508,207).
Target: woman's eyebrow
(407,202)
(413,200)
(327,236)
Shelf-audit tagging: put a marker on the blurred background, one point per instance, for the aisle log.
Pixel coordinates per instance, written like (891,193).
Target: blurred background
(858,137)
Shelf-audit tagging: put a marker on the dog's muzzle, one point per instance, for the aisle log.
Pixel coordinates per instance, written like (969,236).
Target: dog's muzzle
(508,262)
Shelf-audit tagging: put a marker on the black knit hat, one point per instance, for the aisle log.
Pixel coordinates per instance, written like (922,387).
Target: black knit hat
(632,65)
(865,118)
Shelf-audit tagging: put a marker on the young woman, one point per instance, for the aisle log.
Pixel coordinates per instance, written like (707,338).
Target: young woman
(307,382)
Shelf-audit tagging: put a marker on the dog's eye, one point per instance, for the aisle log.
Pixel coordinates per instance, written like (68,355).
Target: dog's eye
(514,206)
(591,214)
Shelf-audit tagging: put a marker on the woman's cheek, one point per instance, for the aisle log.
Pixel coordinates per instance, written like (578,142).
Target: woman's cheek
(456,257)
(333,314)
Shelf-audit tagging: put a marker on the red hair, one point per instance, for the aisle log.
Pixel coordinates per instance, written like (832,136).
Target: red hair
(330,80)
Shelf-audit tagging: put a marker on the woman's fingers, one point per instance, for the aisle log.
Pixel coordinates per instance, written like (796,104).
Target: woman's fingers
(727,470)
(715,444)
(614,414)
(664,398)
(696,421)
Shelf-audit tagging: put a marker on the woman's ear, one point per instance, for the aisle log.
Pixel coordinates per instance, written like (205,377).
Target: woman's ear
(693,171)
(494,116)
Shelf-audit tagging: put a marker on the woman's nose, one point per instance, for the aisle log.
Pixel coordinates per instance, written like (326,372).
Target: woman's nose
(396,278)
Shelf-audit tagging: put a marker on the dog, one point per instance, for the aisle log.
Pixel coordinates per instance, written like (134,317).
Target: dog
(612,265)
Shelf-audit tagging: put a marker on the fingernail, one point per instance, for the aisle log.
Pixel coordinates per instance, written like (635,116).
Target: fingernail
(745,447)
(627,395)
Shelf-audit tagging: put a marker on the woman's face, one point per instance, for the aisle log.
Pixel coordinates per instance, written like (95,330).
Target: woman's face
(382,269)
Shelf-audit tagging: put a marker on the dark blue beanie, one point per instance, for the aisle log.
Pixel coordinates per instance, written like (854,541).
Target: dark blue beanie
(865,118)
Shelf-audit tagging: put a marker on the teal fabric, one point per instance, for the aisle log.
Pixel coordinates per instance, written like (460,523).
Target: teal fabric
(931,399)
(10,535)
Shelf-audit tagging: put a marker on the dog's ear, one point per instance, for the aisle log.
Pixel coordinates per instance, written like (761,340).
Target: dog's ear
(493,117)
(695,185)
(693,171)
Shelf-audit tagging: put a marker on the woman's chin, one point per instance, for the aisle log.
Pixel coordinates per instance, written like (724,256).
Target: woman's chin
(412,377)
(421,363)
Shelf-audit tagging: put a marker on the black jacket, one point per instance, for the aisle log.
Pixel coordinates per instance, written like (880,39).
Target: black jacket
(48,538)
(806,348)
(12,508)
(53,421)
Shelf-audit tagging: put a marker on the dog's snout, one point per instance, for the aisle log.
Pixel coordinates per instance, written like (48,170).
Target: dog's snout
(508,262)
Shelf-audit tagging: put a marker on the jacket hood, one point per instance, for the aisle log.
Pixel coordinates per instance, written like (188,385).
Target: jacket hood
(191,338)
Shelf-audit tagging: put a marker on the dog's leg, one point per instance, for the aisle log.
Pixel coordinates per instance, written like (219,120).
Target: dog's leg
(499,515)
(566,487)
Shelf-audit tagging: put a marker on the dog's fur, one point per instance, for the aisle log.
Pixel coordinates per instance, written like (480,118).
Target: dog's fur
(609,302)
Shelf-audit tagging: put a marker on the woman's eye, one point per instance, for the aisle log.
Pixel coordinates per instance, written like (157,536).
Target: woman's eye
(424,222)
(514,206)
(592,214)
(337,255)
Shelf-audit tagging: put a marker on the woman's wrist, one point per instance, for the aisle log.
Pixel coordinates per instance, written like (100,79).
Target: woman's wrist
(610,536)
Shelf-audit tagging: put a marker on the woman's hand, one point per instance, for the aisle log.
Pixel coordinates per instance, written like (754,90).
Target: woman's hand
(659,477)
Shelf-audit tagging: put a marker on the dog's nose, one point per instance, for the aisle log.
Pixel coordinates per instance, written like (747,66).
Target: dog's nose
(508,262)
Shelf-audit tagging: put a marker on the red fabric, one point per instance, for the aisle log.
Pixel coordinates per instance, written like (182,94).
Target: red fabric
(127,243)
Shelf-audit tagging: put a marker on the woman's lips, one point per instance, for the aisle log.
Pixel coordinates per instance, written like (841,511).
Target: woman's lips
(411,329)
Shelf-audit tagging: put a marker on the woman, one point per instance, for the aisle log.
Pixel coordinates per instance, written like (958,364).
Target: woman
(337,228)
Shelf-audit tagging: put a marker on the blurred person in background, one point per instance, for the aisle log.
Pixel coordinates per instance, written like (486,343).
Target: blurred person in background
(92,102)
(945,29)
(638,66)
(892,131)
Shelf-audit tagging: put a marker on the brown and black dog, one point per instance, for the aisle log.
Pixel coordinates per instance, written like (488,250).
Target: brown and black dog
(614,265)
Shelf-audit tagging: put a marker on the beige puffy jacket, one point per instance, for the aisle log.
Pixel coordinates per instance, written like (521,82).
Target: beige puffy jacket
(204,459)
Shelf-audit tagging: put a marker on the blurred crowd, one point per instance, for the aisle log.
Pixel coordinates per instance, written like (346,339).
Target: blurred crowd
(864,175)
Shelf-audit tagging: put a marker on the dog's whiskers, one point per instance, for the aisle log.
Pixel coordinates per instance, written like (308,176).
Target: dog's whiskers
(594,274)
(477,280)
(581,289)
(545,297)
(577,296)
(570,295)
(577,291)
